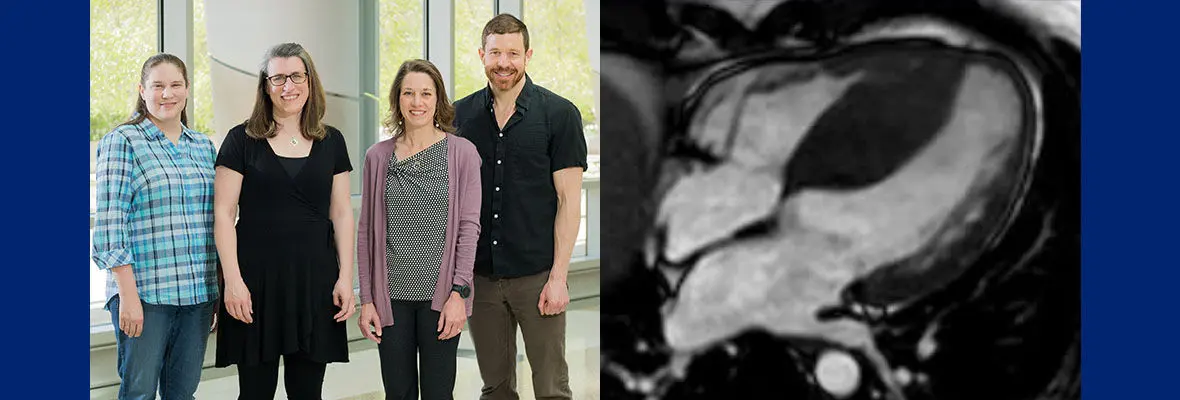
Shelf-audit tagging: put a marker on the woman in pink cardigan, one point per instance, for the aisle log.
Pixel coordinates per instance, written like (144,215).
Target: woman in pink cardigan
(417,235)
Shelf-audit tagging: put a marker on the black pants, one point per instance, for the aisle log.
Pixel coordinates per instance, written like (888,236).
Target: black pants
(303,379)
(415,333)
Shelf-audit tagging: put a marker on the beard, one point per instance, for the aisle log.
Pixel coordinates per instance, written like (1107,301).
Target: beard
(499,82)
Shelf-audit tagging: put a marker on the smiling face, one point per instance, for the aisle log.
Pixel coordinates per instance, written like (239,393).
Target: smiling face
(417,100)
(504,59)
(289,97)
(165,92)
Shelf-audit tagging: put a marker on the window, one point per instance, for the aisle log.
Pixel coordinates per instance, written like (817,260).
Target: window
(470,17)
(122,36)
(401,39)
(561,57)
(200,106)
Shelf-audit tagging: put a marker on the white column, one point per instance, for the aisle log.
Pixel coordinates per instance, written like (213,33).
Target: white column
(514,7)
(440,40)
(368,70)
(176,32)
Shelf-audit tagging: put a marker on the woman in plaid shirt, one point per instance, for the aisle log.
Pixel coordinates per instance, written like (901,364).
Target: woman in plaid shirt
(153,234)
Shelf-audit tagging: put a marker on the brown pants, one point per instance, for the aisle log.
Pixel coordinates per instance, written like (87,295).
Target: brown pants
(499,306)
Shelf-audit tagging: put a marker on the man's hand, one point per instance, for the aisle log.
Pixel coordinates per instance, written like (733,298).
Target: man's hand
(554,297)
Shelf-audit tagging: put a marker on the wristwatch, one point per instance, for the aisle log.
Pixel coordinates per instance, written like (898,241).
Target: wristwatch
(463,290)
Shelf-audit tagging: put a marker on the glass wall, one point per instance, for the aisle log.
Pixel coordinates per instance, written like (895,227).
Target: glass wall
(201,95)
(470,17)
(561,59)
(401,39)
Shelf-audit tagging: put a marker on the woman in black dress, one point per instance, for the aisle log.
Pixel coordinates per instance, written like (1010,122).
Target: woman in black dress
(287,264)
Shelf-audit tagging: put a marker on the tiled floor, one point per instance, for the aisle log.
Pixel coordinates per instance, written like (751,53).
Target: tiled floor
(360,379)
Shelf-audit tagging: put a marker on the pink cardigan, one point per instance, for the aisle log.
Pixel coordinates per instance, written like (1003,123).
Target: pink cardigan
(458,260)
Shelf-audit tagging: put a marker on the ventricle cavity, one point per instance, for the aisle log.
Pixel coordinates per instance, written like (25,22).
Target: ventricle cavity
(872,152)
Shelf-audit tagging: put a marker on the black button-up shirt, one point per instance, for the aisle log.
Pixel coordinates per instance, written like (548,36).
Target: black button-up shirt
(519,199)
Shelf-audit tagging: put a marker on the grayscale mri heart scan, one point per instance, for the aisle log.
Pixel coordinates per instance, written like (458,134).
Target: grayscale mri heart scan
(841,199)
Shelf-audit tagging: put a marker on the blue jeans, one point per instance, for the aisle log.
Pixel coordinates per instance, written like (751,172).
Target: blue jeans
(168,353)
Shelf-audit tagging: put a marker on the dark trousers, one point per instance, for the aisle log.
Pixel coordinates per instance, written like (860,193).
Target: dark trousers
(501,305)
(303,379)
(412,344)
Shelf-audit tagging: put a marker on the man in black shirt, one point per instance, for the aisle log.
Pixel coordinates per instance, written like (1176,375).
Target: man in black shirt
(534,153)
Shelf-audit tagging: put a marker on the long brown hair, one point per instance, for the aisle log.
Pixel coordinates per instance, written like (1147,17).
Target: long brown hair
(444,112)
(141,111)
(261,124)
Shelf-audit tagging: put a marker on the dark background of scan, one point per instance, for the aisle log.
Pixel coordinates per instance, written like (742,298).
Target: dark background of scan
(1008,328)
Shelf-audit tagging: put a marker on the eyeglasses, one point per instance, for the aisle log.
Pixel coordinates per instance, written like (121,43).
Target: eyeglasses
(279,80)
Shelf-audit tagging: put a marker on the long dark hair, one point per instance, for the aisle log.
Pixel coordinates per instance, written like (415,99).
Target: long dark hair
(141,111)
(444,112)
(261,124)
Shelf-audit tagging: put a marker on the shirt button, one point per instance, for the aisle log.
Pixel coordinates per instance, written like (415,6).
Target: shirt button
(497,188)
(496,216)
(498,161)
(501,134)
(494,243)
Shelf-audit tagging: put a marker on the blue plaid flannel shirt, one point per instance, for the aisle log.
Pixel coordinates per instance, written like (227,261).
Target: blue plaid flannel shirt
(155,212)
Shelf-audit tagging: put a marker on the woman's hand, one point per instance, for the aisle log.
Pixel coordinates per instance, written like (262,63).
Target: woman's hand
(237,300)
(452,318)
(342,297)
(370,321)
(131,315)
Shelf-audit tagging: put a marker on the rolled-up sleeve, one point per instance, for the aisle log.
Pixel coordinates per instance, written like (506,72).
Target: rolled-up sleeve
(115,177)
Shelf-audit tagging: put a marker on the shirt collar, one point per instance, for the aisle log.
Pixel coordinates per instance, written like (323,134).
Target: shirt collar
(154,133)
(523,100)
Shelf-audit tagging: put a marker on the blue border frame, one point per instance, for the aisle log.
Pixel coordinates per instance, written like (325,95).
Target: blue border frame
(1130,203)
(45,80)
(1131,208)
